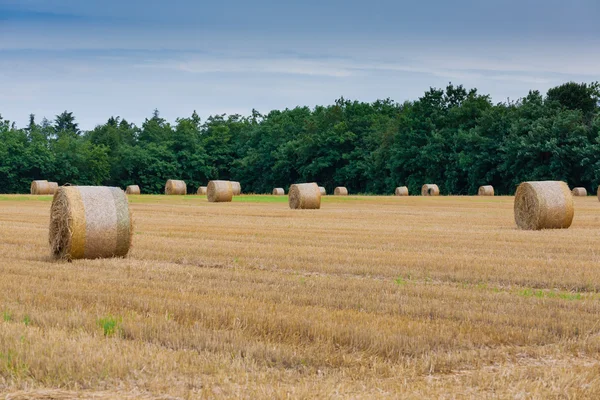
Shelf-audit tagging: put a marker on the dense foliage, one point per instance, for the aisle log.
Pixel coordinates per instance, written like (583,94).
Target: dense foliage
(453,137)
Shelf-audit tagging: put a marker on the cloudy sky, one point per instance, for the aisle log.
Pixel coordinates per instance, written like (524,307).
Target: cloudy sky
(128,57)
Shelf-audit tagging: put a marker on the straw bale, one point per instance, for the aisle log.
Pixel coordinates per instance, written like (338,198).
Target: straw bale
(53,186)
(133,189)
(543,205)
(304,196)
(40,187)
(90,222)
(219,191)
(430,189)
(202,191)
(340,191)
(487,190)
(237,188)
(175,187)
(279,192)
(322,190)
(579,191)
(401,191)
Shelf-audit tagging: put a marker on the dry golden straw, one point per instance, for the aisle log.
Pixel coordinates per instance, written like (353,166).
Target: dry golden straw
(487,190)
(430,189)
(340,191)
(543,205)
(133,189)
(40,187)
(175,187)
(322,190)
(304,196)
(579,191)
(237,188)
(90,222)
(401,191)
(279,192)
(219,191)
(53,187)
(201,190)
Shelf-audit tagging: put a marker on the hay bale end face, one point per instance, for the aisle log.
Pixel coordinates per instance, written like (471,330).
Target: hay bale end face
(340,191)
(543,205)
(90,222)
(278,192)
(430,189)
(175,187)
(305,196)
(40,187)
(401,191)
(219,191)
(322,190)
(202,191)
(579,192)
(237,188)
(133,189)
(487,190)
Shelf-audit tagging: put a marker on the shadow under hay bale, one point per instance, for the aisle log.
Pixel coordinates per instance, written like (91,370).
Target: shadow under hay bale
(430,189)
(401,191)
(487,190)
(175,187)
(543,205)
(278,192)
(90,222)
(133,189)
(304,196)
(340,191)
(219,191)
(202,191)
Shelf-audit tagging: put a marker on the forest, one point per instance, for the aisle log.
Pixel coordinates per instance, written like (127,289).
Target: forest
(454,137)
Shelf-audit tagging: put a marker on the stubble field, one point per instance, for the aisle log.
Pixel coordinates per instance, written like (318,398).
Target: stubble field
(368,297)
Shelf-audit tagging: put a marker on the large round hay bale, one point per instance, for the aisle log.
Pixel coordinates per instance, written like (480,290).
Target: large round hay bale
(487,190)
(278,192)
(340,191)
(133,189)
(219,191)
(579,191)
(304,196)
(175,187)
(90,222)
(543,205)
(322,190)
(40,187)
(202,191)
(53,186)
(430,189)
(401,191)
(237,188)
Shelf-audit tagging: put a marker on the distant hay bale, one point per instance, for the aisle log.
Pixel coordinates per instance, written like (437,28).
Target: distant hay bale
(175,187)
(543,205)
(219,191)
(278,192)
(304,196)
(579,191)
(340,191)
(487,190)
(430,189)
(201,191)
(401,191)
(90,222)
(598,193)
(53,187)
(40,187)
(322,190)
(133,189)
(237,188)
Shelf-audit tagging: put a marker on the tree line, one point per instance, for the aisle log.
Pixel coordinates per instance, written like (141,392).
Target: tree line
(454,137)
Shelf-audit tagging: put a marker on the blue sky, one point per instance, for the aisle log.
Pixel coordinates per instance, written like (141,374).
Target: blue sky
(108,58)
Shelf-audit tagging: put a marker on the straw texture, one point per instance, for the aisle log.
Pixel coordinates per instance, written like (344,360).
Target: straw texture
(90,222)
(340,191)
(401,191)
(322,190)
(543,205)
(279,192)
(237,188)
(53,187)
(304,196)
(579,191)
(175,187)
(486,190)
(40,187)
(219,191)
(430,189)
(202,191)
(133,189)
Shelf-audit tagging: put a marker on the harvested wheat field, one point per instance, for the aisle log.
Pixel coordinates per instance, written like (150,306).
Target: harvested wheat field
(368,297)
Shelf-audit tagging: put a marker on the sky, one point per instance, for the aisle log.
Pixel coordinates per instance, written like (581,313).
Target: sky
(126,58)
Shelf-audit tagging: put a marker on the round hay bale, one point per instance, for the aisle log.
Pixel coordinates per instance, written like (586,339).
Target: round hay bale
(219,191)
(201,191)
(237,188)
(579,191)
(133,189)
(430,189)
(598,193)
(487,190)
(543,205)
(401,191)
(53,187)
(90,222)
(340,191)
(304,196)
(40,187)
(322,190)
(278,192)
(175,187)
